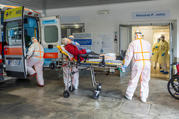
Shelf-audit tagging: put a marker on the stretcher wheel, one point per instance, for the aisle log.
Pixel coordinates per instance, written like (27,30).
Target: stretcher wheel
(99,87)
(96,94)
(66,94)
(71,88)
(173,87)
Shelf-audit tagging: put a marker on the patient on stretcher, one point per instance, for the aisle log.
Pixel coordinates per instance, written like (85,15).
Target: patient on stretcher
(78,53)
(82,56)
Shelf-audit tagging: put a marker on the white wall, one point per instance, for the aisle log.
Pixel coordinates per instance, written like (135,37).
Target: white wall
(102,26)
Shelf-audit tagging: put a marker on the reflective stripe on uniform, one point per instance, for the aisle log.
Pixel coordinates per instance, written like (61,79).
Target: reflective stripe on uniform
(142,67)
(41,52)
(141,52)
(143,60)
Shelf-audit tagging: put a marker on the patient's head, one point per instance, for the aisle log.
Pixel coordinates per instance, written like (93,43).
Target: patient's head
(66,41)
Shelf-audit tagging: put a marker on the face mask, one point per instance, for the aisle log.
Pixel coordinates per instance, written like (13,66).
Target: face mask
(34,40)
(138,36)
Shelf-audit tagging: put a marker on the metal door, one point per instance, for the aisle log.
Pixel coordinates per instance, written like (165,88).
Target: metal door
(50,38)
(125,37)
(14,44)
(173,45)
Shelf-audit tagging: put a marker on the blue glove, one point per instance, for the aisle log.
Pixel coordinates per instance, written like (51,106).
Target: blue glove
(88,50)
(163,54)
(152,53)
(156,46)
(124,68)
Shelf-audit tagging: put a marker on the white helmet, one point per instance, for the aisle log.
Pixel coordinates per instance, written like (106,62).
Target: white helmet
(138,34)
(71,37)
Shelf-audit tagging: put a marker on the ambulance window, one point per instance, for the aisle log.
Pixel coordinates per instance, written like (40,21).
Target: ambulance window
(51,34)
(14,33)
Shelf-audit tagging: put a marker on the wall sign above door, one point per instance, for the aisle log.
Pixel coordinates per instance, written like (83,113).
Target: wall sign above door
(150,14)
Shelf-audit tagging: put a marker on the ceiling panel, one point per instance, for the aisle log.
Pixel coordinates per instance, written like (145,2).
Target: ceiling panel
(77,3)
(50,4)
(33,4)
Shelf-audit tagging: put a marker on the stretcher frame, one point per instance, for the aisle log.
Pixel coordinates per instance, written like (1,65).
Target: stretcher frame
(85,65)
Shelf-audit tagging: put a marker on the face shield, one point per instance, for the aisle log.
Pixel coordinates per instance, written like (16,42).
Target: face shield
(138,35)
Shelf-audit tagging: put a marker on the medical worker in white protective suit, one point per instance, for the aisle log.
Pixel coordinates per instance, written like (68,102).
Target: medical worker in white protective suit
(35,59)
(66,71)
(140,53)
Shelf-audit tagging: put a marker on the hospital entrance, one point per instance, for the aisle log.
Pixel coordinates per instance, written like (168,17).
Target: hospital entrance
(153,34)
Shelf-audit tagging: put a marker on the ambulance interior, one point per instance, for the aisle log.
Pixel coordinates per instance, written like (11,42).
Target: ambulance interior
(151,34)
(14,31)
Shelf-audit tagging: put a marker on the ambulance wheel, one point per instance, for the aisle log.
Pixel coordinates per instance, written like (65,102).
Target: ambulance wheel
(66,94)
(107,73)
(52,65)
(96,94)
(173,87)
(71,88)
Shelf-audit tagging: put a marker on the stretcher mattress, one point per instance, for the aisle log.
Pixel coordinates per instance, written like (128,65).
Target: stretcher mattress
(106,62)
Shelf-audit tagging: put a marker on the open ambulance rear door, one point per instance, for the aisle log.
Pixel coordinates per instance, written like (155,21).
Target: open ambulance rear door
(14,43)
(50,38)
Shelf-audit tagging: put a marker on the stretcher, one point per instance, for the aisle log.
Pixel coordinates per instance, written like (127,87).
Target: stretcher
(90,62)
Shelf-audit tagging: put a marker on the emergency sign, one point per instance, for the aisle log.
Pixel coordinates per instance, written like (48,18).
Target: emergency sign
(13,13)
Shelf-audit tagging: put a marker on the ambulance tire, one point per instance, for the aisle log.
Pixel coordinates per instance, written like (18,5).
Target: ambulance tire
(52,66)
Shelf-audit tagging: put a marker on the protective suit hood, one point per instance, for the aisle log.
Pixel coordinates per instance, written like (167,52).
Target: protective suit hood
(34,40)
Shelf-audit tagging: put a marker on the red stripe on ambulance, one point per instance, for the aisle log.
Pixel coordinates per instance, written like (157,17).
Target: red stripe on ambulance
(50,55)
(13,51)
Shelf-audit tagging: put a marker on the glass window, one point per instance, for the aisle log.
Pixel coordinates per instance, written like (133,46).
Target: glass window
(30,30)
(51,34)
(69,29)
(14,33)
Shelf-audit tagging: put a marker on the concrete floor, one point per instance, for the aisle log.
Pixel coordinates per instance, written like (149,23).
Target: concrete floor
(155,73)
(22,99)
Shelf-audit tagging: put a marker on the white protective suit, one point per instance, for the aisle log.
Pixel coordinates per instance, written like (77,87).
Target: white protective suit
(140,52)
(35,59)
(70,74)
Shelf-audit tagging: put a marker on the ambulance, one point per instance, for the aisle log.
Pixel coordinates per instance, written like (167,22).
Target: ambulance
(18,26)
